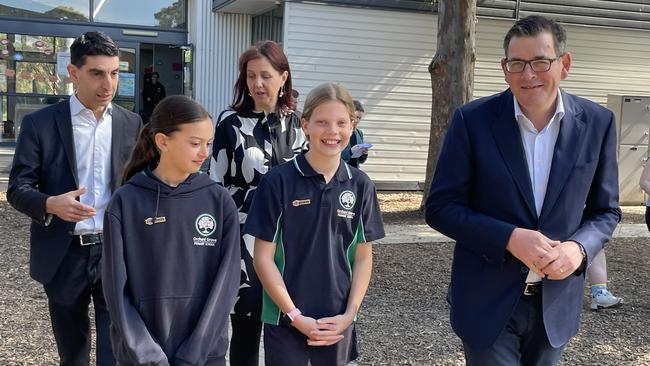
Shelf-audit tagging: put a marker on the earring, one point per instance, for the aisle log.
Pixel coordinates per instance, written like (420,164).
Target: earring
(281,92)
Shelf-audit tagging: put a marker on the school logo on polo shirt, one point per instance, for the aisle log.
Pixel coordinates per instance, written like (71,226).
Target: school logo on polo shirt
(346,200)
(205,225)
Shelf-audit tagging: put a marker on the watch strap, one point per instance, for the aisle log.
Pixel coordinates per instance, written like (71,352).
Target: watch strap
(293,314)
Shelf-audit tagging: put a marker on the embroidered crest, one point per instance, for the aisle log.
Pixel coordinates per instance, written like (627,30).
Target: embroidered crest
(205,224)
(347,199)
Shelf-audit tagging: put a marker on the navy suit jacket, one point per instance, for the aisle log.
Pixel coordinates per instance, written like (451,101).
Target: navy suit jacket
(44,165)
(481,192)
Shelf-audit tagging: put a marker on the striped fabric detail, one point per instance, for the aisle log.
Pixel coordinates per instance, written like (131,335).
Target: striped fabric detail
(295,162)
(347,168)
(359,237)
(270,311)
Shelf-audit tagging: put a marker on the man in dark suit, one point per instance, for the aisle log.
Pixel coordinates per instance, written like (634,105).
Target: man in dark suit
(68,160)
(527,185)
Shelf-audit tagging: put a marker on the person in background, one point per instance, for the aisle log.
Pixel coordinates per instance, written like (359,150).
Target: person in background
(315,280)
(356,139)
(601,297)
(171,250)
(527,186)
(644,182)
(152,93)
(68,161)
(259,132)
(294,102)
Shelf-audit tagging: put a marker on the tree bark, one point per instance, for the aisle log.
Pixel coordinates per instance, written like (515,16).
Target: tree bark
(452,73)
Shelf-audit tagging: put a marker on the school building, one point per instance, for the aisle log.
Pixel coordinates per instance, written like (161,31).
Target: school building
(379,49)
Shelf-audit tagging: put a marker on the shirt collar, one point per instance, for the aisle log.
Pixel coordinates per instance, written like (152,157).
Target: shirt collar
(522,119)
(302,166)
(76,106)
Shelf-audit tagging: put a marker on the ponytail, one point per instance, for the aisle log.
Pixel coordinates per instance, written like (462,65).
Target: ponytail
(145,153)
(166,118)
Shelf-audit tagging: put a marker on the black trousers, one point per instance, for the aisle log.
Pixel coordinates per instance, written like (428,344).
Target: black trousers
(246,323)
(75,284)
(245,340)
(284,345)
(523,342)
(647,217)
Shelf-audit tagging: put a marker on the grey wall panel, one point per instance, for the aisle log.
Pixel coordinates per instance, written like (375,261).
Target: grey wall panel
(384,64)
(218,39)
(382,58)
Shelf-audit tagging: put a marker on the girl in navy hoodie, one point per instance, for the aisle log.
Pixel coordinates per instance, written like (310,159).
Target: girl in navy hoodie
(171,246)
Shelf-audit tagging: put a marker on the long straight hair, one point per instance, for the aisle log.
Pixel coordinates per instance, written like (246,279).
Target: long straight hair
(166,118)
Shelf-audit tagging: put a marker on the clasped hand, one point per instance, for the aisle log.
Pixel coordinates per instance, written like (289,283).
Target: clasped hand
(548,258)
(323,331)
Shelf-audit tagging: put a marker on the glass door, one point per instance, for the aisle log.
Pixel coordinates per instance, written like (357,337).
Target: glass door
(128,85)
(32,75)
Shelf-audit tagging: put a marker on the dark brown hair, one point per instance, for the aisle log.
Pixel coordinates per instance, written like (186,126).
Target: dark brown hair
(242,102)
(166,118)
(92,44)
(532,26)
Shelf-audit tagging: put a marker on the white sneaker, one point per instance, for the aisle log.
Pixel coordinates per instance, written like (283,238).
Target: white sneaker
(604,299)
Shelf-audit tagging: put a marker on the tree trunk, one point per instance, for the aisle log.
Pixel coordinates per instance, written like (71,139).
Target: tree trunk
(452,73)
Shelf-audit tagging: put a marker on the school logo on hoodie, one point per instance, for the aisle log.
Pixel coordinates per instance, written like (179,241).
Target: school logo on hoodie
(205,225)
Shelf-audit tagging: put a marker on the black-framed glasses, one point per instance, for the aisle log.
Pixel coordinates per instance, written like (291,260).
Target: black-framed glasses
(537,65)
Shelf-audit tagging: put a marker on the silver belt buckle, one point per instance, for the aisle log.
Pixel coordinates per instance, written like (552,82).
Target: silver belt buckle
(531,289)
(81,241)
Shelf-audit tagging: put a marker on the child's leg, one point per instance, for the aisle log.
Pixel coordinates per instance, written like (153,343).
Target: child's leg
(601,297)
(284,345)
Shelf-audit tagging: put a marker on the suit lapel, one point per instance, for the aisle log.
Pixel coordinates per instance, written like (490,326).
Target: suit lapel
(508,139)
(565,152)
(64,125)
(117,139)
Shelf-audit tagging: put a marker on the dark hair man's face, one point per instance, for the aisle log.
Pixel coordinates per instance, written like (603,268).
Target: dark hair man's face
(96,81)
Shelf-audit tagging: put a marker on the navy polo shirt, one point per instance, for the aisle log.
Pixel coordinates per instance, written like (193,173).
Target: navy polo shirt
(316,227)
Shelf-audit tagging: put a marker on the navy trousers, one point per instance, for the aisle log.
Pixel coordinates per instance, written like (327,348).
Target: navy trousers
(284,345)
(523,342)
(75,284)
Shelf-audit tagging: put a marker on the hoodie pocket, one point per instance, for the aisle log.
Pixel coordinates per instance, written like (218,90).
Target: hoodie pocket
(171,320)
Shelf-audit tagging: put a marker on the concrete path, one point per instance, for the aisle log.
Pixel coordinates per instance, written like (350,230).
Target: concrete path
(423,234)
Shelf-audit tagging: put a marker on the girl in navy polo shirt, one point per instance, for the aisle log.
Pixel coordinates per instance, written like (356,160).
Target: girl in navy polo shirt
(313,219)
(171,251)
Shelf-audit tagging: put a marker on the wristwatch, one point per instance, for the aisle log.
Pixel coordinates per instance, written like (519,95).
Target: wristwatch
(583,264)
(293,314)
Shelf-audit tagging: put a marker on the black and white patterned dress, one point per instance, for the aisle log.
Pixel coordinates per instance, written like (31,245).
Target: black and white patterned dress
(245,148)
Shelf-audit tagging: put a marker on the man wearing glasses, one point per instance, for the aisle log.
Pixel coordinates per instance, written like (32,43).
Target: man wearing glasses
(527,185)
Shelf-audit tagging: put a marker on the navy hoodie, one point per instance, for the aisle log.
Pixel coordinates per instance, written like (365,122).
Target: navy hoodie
(171,270)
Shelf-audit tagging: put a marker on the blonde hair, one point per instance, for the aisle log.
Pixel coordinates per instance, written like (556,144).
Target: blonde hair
(327,92)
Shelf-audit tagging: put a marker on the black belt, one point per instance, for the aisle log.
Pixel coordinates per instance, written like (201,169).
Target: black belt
(90,239)
(533,289)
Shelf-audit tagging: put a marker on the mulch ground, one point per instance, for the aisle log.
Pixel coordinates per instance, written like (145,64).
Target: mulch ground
(404,318)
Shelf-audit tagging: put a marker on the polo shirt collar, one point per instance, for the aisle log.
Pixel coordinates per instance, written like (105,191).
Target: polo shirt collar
(302,166)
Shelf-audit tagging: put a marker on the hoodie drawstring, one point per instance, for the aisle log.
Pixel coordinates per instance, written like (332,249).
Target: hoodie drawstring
(155,219)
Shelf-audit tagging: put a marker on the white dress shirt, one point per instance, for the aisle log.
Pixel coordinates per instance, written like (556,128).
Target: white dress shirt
(92,145)
(539,147)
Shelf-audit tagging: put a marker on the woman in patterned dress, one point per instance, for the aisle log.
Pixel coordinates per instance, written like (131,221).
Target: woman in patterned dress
(257,133)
